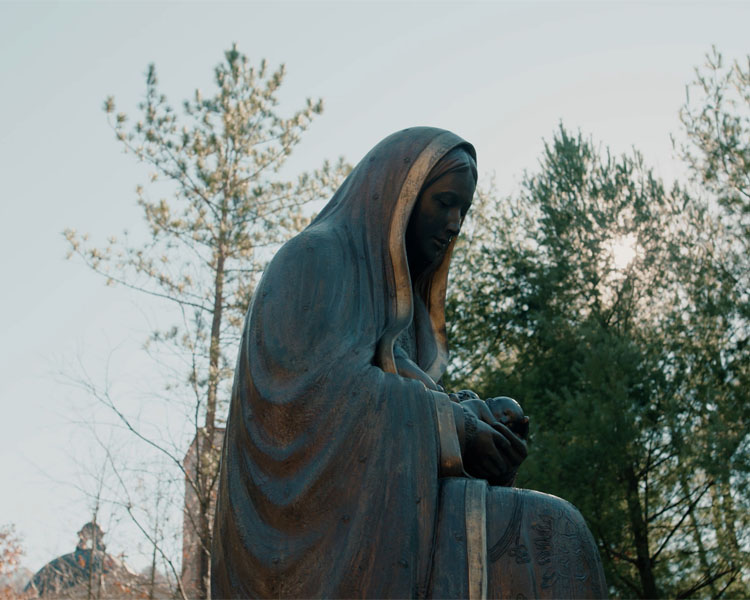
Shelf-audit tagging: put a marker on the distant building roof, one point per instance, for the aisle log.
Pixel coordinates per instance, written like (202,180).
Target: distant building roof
(89,572)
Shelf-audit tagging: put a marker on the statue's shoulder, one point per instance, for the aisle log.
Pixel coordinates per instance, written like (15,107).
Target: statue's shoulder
(315,254)
(313,242)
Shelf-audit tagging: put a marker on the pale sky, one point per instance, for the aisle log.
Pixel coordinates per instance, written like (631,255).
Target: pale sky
(500,74)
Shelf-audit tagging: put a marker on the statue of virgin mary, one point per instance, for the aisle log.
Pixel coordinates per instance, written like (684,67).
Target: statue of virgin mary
(347,471)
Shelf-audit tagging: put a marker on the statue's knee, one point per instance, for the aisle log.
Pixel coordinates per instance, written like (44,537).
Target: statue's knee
(512,509)
(539,544)
(552,503)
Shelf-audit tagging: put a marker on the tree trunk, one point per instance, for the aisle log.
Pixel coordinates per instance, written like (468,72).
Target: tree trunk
(206,453)
(705,567)
(723,513)
(214,352)
(204,583)
(639,529)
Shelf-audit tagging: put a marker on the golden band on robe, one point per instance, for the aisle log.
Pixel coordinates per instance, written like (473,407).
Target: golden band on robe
(476,538)
(450,461)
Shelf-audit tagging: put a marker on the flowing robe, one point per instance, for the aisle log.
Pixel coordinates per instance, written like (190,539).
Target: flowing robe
(340,478)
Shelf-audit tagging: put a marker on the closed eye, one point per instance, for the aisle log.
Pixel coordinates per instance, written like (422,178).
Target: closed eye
(447,199)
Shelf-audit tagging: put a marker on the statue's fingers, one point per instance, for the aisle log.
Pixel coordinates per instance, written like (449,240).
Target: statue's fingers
(483,411)
(515,442)
(501,442)
(490,449)
(511,456)
(492,469)
(515,458)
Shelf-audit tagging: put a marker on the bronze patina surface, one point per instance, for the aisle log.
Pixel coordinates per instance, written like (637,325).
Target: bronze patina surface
(347,471)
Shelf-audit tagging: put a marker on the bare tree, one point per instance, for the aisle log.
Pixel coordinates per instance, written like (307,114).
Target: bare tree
(206,246)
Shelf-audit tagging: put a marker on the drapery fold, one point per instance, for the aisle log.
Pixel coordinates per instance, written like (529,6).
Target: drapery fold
(329,478)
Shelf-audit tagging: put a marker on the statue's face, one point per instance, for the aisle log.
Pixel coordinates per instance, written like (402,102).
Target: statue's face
(437,217)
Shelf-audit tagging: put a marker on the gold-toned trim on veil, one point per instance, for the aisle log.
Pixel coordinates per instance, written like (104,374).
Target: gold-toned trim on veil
(418,172)
(476,537)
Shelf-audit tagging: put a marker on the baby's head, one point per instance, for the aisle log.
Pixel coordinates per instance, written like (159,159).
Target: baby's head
(509,413)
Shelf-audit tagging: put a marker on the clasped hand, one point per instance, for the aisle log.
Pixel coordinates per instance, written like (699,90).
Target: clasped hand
(491,450)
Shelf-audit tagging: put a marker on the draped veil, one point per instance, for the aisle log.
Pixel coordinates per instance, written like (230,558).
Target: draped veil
(329,477)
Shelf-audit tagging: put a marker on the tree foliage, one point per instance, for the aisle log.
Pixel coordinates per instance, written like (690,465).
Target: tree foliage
(11,551)
(716,118)
(716,121)
(578,297)
(206,245)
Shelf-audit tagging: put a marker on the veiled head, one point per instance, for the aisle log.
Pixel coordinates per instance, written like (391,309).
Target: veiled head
(440,209)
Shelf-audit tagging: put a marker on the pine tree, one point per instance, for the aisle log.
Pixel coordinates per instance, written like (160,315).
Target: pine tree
(208,243)
(580,304)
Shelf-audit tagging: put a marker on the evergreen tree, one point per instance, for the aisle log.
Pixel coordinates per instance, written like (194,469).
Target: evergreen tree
(716,120)
(576,298)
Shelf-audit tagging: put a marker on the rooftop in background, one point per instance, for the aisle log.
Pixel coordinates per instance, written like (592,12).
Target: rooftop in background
(89,572)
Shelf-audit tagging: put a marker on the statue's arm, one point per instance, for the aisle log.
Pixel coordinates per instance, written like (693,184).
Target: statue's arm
(470,446)
(470,441)
(409,369)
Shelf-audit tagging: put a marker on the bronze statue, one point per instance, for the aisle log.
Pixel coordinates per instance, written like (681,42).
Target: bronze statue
(347,471)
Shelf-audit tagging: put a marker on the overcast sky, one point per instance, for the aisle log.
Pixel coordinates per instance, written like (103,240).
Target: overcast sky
(500,74)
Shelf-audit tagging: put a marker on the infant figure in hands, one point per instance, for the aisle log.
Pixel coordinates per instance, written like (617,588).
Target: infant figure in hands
(509,413)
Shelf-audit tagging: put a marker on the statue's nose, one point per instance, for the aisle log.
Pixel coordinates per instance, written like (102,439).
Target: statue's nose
(453,225)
